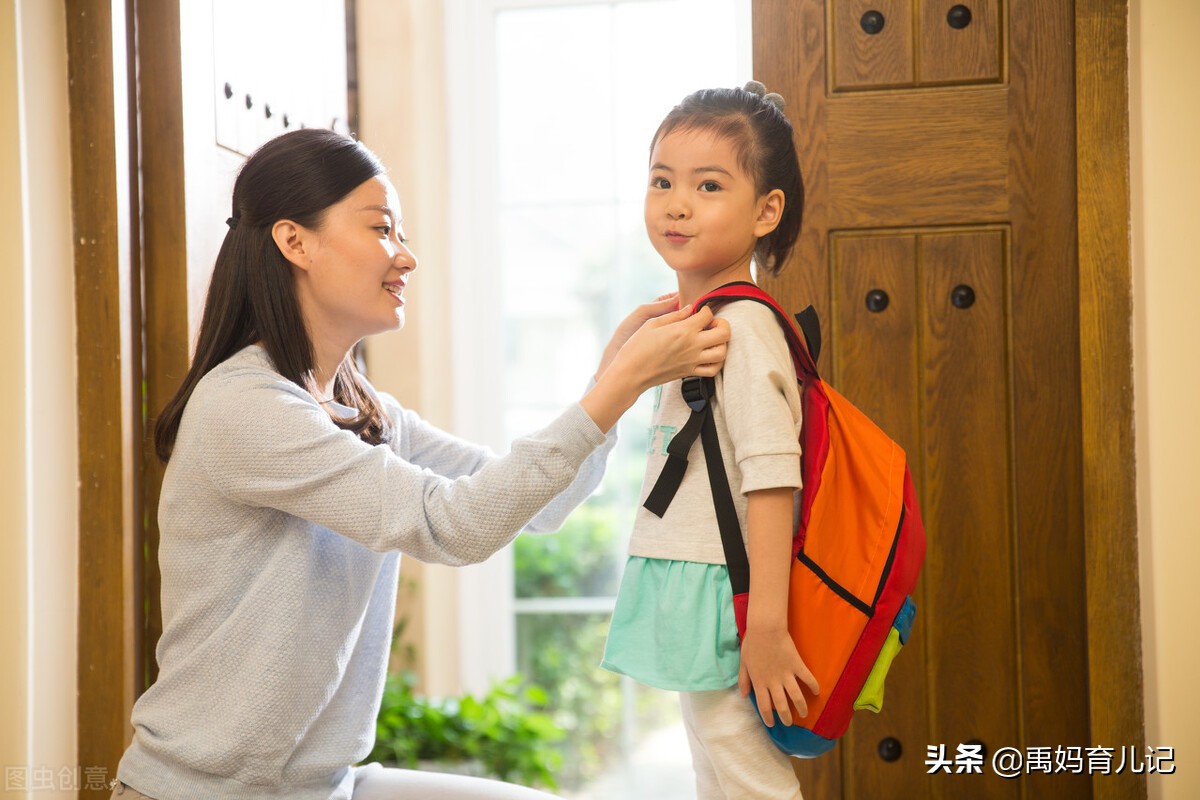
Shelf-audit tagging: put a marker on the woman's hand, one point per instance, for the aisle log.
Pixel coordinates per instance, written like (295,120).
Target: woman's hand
(656,344)
(651,348)
(664,304)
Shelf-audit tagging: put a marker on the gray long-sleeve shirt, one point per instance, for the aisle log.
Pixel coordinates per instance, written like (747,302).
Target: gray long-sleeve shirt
(279,553)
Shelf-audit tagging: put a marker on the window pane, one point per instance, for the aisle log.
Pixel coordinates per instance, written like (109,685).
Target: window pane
(668,50)
(596,710)
(554,95)
(551,258)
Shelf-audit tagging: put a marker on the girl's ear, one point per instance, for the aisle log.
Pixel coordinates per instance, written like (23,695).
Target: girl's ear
(293,241)
(770,212)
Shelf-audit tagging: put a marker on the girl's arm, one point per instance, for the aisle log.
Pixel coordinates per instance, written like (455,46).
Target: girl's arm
(770,663)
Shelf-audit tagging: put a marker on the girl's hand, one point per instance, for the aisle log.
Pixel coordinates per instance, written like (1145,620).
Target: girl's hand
(660,349)
(771,665)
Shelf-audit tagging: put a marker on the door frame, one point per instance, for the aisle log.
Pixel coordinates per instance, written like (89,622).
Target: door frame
(108,350)
(112,543)
(1114,629)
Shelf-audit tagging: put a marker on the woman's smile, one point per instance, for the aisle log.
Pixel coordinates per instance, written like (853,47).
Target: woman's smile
(396,290)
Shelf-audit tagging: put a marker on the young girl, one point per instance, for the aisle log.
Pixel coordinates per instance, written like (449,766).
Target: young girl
(725,191)
(292,486)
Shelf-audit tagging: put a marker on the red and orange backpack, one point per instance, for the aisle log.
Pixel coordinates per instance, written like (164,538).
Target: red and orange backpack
(857,550)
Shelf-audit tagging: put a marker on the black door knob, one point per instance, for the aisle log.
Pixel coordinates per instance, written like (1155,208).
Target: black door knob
(877,300)
(958,17)
(962,296)
(890,749)
(872,22)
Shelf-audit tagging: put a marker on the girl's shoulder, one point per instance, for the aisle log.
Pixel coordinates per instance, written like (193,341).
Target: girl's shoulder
(753,325)
(748,313)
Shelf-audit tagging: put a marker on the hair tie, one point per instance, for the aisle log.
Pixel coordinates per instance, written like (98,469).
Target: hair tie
(232,222)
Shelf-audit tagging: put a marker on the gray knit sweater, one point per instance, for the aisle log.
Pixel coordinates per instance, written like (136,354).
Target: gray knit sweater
(279,552)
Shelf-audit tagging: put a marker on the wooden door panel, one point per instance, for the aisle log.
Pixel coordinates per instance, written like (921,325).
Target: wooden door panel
(959,42)
(875,360)
(874,354)
(878,44)
(918,158)
(871,60)
(970,609)
(937,394)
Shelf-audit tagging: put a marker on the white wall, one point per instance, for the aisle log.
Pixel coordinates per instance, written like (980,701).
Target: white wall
(38,456)
(1165,176)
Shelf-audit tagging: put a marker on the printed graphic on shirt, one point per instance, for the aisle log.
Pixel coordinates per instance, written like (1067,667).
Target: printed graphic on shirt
(660,438)
(656,442)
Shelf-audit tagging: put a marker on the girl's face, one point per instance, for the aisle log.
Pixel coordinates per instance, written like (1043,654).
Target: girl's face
(351,272)
(703,213)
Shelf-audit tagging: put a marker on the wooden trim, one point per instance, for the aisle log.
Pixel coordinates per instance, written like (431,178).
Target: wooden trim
(108,362)
(1106,383)
(164,269)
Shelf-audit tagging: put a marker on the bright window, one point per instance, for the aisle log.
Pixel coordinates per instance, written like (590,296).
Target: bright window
(553,106)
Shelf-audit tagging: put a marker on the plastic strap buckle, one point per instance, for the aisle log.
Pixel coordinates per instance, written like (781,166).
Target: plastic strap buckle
(696,392)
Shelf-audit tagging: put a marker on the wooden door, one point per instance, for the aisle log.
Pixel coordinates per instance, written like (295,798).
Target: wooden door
(939,247)
(218,79)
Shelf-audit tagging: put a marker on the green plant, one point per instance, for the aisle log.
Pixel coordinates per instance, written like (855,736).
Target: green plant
(505,730)
(582,559)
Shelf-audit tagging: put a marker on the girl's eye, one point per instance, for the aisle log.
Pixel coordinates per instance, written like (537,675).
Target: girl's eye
(710,186)
(660,183)
(386,230)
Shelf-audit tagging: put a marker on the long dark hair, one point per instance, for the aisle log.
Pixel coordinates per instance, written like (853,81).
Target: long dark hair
(762,136)
(252,296)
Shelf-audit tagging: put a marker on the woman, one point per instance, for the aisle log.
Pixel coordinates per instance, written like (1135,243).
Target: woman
(292,486)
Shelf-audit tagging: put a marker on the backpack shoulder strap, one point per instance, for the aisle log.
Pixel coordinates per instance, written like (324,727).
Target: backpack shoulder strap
(804,352)
(810,326)
(697,392)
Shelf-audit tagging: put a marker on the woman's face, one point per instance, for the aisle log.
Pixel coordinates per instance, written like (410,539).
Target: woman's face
(352,284)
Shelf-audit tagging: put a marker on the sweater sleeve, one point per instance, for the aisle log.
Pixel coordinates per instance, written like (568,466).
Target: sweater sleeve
(426,445)
(266,443)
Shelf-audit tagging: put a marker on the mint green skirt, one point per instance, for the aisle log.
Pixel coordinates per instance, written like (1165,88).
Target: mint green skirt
(673,626)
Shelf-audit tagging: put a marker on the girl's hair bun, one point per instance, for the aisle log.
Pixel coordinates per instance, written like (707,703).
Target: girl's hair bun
(757,89)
